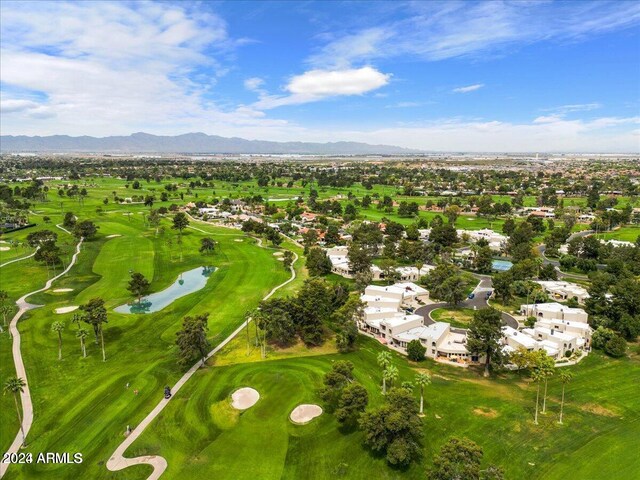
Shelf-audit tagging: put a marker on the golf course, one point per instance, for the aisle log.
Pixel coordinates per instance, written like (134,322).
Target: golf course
(86,404)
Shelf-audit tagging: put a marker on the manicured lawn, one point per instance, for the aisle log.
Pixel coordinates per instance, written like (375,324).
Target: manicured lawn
(82,404)
(456,316)
(628,234)
(201,438)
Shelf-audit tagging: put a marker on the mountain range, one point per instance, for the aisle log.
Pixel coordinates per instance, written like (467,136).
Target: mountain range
(188,143)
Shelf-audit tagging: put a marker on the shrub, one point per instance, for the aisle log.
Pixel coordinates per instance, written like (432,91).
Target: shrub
(616,346)
(416,351)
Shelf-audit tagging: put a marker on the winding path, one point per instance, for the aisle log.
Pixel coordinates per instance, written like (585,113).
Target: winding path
(25,396)
(118,461)
(19,259)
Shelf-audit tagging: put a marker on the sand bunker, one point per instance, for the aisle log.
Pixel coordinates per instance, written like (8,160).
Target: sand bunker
(278,254)
(238,240)
(305,413)
(60,290)
(67,309)
(4,249)
(244,398)
(113,236)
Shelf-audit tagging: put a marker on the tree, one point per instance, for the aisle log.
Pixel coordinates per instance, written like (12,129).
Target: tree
(180,222)
(287,259)
(69,220)
(616,346)
(4,308)
(85,229)
(384,360)
(390,374)
(207,245)
(96,315)
(395,428)
(503,286)
(352,403)
(274,319)
(484,335)
(318,262)
(443,235)
(82,334)
(416,351)
(359,258)
(565,377)
(483,261)
(192,339)
(460,459)
(542,368)
(335,381)
(138,285)
(58,327)
(422,380)
(15,385)
(453,289)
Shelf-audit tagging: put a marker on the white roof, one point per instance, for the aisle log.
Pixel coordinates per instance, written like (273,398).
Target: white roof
(389,289)
(550,347)
(396,321)
(553,307)
(556,334)
(410,287)
(520,337)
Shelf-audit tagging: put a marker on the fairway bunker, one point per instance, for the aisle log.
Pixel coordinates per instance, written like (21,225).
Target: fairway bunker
(61,290)
(278,254)
(66,309)
(114,235)
(244,398)
(238,240)
(4,249)
(305,413)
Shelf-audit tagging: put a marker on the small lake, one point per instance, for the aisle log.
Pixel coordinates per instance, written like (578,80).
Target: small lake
(188,282)
(501,265)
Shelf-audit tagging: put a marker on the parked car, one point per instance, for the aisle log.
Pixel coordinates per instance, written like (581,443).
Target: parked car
(471,296)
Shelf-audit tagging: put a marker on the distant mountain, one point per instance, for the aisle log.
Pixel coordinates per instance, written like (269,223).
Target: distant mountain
(187,143)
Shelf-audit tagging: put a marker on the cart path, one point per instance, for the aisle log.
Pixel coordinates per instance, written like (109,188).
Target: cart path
(19,259)
(25,396)
(118,461)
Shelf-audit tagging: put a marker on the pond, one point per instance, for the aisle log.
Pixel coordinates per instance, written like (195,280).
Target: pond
(188,282)
(501,265)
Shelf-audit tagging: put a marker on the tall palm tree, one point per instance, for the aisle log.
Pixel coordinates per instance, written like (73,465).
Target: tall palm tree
(82,333)
(565,377)
(548,372)
(384,359)
(16,385)
(391,374)
(422,380)
(537,376)
(58,327)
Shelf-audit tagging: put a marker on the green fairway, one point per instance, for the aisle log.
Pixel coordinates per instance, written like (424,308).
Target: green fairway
(627,234)
(199,441)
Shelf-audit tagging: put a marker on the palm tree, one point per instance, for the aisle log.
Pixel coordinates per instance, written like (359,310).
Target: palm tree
(384,359)
(422,380)
(537,376)
(391,374)
(548,372)
(565,377)
(82,333)
(58,327)
(16,385)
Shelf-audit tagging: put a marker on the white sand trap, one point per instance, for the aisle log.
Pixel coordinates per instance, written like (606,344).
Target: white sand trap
(114,235)
(305,413)
(280,258)
(4,249)
(244,398)
(278,254)
(3,241)
(60,290)
(67,309)
(238,240)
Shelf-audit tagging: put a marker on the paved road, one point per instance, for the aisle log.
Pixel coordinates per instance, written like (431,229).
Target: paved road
(25,396)
(118,461)
(478,302)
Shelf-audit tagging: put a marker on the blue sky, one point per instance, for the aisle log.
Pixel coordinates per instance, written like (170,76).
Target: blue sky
(449,76)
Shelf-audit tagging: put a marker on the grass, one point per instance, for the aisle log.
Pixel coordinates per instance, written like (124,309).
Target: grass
(457,316)
(82,404)
(496,413)
(629,233)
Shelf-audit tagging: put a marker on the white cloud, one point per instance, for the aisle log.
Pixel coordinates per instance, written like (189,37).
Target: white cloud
(253,84)
(580,107)
(315,85)
(440,30)
(469,88)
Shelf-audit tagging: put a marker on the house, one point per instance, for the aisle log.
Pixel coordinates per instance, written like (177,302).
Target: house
(553,310)
(564,290)
(308,217)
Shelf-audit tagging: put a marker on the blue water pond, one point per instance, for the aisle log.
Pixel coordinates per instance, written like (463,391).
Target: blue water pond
(188,282)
